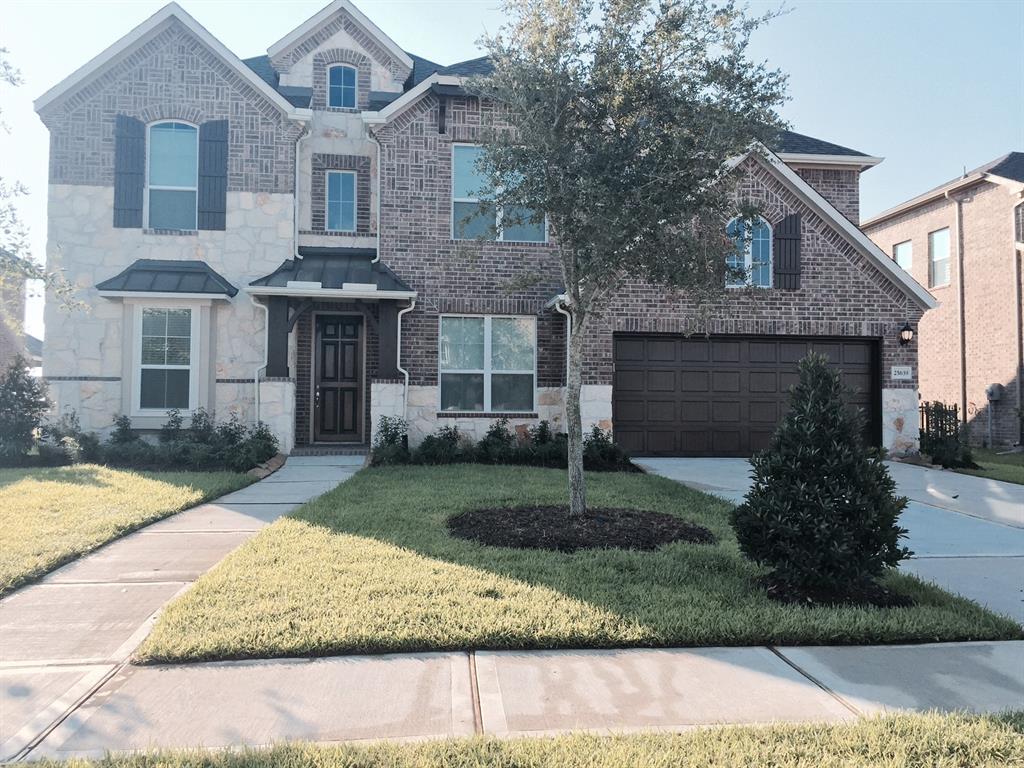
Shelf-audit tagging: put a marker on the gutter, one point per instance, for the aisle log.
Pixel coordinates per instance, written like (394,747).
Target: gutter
(398,361)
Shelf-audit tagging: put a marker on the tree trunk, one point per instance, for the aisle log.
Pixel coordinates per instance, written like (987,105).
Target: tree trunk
(574,422)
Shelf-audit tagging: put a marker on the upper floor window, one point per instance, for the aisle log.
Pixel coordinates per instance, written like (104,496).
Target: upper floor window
(341,201)
(938,258)
(903,254)
(341,86)
(173,176)
(752,256)
(469,218)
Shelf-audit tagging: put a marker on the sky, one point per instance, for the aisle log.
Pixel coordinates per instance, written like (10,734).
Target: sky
(933,87)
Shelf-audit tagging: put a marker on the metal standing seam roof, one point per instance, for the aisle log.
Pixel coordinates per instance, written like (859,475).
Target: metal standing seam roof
(332,268)
(168,276)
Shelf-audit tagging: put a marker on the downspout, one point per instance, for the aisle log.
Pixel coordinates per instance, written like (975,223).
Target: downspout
(295,254)
(1018,280)
(962,318)
(398,362)
(376,258)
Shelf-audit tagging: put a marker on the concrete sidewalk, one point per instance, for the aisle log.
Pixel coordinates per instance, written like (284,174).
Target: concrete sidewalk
(967,533)
(445,695)
(66,634)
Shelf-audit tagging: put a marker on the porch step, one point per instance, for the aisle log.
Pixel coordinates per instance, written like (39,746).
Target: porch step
(330,450)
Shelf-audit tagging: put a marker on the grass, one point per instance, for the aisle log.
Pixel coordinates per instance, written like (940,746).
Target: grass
(899,741)
(370,567)
(1006,467)
(51,516)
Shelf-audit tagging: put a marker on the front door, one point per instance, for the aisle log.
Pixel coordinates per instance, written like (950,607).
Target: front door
(338,379)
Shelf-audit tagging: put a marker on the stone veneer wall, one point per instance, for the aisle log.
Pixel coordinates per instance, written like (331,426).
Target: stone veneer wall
(277,410)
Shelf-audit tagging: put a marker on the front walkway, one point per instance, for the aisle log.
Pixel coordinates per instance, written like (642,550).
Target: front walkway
(65,635)
(966,532)
(450,695)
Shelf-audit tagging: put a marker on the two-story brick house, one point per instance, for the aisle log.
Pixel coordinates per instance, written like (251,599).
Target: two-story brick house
(285,237)
(965,240)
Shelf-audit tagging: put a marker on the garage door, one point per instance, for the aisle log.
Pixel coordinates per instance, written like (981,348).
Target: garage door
(724,395)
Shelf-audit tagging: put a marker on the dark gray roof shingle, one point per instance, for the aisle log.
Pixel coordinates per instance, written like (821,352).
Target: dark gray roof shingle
(332,268)
(790,142)
(168,276)
(1009,166)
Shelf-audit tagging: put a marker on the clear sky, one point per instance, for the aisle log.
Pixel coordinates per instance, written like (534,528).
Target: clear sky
(930,86)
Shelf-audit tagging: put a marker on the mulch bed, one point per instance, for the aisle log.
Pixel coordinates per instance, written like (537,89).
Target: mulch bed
(874,595)
(552,528)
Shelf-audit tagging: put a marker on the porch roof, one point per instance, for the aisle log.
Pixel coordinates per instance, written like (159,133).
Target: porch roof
(333,272)
(168,277)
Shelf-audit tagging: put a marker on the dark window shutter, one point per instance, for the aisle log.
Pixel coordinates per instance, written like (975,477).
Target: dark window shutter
(786,253)
(129,171)
(213,174)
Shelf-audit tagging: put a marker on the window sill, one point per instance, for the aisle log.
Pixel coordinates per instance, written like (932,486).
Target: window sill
(517,243)
(172,232)
(487,415)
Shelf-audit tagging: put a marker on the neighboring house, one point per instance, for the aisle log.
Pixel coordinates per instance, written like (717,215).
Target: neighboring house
(296,219)
(965,241)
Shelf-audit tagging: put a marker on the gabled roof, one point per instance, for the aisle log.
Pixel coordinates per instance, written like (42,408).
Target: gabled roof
(337,270)
(842,225)
(339,6)
(168,277)
(132,39)
(1008,168)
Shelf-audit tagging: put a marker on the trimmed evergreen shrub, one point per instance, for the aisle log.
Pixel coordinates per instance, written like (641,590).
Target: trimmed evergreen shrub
(391,443)
(123,432)
(498,445)
(446,446)
(64,442)
(23,402)
(602,454)
(822,512)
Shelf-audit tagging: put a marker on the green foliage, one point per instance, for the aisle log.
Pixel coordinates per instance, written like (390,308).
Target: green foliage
(391,443)
(601,453)
(171,430)
(203,426)
(446,446)
(823,511)
(944,438)
(64,442)
(498,445)
(123,432)
(23,402)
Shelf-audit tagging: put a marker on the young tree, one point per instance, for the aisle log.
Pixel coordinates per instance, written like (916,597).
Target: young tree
(823,511)
(616,120)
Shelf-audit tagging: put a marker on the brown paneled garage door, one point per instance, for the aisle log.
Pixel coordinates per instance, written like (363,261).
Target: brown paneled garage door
(724,395)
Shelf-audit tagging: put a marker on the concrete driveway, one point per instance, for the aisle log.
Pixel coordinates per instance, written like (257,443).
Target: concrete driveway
(967,533)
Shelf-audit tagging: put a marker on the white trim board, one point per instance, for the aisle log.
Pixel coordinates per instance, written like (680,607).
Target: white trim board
(314,22)
(126,43)
(328,293)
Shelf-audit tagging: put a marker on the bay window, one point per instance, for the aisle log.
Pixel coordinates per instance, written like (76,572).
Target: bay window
(487,364)
(469,218)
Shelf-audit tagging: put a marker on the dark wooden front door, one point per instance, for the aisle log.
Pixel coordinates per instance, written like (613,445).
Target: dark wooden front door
(338,379)
(724,395)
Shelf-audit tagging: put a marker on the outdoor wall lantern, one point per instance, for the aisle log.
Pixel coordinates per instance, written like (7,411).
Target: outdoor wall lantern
(906,334)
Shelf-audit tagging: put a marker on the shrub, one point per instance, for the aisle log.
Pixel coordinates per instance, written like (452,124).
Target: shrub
(64,442)
(943,437)
(122,434)
(203,427)
(822,512)
(446,446)
(391,443)
(23,402)
(602,454)
(136,454)
(171,430)
(498,445)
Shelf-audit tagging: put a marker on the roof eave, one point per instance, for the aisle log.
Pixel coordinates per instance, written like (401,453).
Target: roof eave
(171,10)
(397,106)
(335,293)
(927,197)
(860,162)
(113,294)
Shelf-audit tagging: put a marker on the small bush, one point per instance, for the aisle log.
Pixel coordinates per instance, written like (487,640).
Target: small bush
(391,443)
(123,434)
(944,438)
(602,454)
(823,511)
(23,402)
(498,445)
(134,454)
(203,427)
(64,442)
(171,430)
(446,446)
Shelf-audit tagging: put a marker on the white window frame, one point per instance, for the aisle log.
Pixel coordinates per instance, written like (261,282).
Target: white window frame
(486,370)
(145,196)
(748,258)
(192,367)
(499,231)
(355,88)
(931,259)
(910,253)
(327,201)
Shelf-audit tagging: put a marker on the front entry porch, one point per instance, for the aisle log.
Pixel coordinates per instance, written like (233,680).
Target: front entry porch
(332,342)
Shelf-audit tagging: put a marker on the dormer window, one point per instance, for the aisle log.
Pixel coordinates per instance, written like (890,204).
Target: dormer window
(341,86)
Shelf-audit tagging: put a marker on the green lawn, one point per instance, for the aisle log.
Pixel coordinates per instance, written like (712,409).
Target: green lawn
(51,516)
(370,567)
(900,741)
(1008,467)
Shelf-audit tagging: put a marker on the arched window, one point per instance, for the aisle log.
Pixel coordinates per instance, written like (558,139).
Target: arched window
(341,86)
(172,176)
(752,255)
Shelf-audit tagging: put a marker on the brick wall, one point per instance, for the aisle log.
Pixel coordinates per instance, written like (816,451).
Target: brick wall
(839,187)
(322,60)
(172,75)
(320,165)
(991,332)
